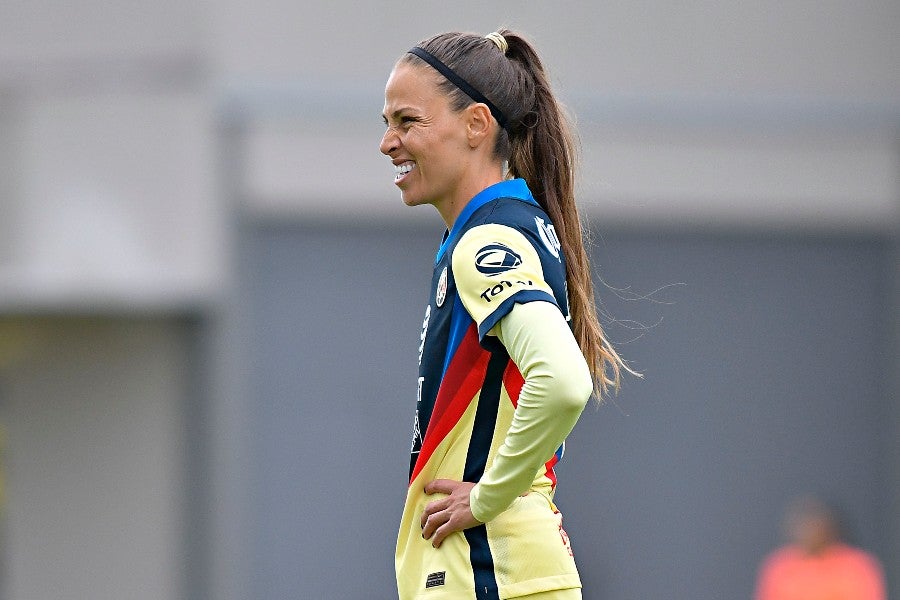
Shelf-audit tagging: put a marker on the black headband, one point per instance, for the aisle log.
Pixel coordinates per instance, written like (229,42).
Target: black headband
(460,83)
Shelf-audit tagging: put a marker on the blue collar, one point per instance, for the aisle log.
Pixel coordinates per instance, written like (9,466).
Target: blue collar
(510,188)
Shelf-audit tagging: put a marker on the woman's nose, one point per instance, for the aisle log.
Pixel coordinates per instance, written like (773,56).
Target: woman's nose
(389,141)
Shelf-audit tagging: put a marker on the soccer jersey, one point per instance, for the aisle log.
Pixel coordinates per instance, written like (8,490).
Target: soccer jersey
(501,250)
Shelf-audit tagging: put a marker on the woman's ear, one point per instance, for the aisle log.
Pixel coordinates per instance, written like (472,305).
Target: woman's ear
(478,124)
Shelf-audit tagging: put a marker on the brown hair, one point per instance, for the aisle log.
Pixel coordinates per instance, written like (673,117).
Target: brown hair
(539,146)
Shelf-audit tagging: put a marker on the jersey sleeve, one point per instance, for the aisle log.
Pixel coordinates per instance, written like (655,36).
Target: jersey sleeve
(557,386)
(495,267)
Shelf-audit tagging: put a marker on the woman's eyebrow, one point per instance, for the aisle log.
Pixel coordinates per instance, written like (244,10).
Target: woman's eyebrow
(398,112)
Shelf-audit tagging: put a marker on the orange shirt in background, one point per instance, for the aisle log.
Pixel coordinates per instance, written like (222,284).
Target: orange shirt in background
(839,573)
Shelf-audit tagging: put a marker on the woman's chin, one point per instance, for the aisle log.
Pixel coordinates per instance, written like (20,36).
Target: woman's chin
(412,199)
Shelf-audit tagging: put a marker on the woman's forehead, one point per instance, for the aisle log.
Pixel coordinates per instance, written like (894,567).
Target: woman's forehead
(412,81)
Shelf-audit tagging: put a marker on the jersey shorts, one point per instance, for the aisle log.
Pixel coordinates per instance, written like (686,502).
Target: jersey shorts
(502,250)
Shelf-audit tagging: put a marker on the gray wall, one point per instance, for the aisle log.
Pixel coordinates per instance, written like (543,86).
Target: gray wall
(766,375)
(94,413)
(761,117)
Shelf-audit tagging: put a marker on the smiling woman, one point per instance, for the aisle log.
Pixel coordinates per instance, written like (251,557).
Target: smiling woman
(510,349)
(425,139)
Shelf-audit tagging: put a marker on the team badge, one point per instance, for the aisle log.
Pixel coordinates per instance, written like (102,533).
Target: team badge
(495,258)
(441,293)
(548,236)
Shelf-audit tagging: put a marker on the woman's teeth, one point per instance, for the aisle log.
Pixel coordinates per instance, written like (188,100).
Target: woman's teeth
(404,169)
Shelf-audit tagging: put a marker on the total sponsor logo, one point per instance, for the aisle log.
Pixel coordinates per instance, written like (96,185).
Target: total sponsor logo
(492,292)
(496,258)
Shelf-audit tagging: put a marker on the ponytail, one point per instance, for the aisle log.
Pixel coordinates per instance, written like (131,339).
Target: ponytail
(544,153)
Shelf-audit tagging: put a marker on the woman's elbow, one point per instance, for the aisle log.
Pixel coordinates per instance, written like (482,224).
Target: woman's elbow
(574,389)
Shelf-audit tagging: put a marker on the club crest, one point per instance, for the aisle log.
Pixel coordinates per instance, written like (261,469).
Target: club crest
(440,293)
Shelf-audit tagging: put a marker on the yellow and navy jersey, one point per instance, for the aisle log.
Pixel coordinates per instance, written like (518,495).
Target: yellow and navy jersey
(501,250)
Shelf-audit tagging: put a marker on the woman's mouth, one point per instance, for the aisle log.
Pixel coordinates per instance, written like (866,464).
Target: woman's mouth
(402,170)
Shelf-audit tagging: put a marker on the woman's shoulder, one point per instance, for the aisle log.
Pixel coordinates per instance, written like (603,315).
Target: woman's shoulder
(510,211)
(512,222)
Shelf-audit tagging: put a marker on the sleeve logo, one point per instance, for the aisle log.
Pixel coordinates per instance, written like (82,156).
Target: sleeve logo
(548,236)
(495,258)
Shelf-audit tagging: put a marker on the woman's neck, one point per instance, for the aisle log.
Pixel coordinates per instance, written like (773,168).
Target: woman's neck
(450,208)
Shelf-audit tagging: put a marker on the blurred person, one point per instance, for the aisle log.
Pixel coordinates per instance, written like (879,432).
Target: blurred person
(816,564)
(511,349)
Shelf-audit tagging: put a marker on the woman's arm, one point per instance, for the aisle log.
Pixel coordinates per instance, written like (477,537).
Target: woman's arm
(557,386)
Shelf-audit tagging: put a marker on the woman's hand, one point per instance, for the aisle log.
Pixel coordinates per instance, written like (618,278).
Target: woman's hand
(452,513)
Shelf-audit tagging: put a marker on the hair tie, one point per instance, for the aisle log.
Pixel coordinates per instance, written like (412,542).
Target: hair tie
(499,40)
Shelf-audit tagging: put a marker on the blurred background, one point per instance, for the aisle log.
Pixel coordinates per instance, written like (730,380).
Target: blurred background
(211,295)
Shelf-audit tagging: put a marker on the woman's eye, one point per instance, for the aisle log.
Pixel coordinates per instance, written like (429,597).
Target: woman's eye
(401,122)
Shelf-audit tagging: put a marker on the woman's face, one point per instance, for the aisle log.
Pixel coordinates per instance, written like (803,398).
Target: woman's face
(425,139)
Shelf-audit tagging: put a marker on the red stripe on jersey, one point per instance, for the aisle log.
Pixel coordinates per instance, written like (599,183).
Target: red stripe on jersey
(463,379)
(551,474)
(513,381)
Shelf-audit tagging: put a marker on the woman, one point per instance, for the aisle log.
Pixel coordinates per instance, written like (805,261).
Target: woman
(511,348)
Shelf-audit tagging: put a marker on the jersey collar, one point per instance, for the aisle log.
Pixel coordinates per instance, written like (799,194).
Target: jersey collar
(510,188)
